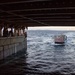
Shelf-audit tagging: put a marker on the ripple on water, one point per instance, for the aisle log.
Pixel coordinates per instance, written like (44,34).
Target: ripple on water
(43,57)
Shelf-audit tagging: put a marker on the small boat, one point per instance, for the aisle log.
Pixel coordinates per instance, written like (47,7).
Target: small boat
(60,39)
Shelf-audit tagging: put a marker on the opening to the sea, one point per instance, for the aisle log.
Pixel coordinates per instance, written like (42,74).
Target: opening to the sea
(42,56)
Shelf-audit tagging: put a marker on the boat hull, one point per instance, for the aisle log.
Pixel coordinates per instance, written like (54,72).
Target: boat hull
(59,42)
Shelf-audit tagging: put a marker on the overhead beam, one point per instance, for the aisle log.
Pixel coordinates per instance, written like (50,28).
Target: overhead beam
(59,17)
(58,20)
(48,20)
(16,2)
(50,24)
(55,16)
(49,14)
(42,9)
(37,18)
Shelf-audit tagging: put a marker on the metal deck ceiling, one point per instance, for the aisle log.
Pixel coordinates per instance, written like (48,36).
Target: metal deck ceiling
(37,12)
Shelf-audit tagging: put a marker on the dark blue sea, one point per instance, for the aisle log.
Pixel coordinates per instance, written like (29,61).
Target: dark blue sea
(43,57)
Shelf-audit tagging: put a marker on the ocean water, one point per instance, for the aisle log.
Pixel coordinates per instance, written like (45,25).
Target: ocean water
(43,57)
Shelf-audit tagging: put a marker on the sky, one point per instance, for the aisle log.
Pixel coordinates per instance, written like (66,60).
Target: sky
(53,28)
